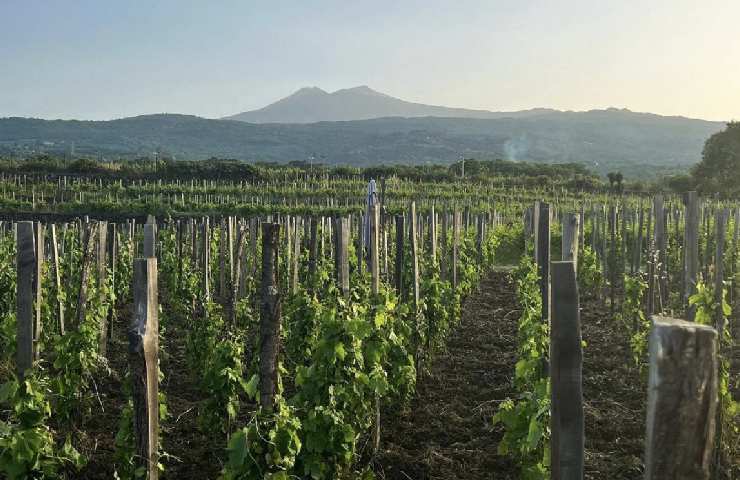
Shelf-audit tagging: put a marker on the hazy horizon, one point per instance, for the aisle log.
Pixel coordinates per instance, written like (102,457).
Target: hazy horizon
(99,61)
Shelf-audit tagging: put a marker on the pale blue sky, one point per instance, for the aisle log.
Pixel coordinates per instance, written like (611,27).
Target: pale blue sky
(105,59)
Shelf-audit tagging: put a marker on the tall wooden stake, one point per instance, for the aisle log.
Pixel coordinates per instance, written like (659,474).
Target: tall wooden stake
(144,360)
(270,316)
(566,364)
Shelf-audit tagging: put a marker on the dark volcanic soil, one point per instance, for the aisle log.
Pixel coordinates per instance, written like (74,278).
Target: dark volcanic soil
(446,432)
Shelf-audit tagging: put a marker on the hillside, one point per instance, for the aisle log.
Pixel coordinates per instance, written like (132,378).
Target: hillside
(313,104)
(604,140)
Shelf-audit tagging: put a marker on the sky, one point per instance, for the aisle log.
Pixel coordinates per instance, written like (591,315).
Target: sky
(98,60)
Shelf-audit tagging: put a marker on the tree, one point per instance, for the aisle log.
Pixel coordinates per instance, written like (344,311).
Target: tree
(719,169)
(615,181)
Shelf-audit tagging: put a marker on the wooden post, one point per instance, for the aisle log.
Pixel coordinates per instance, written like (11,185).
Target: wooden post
(179,241)
(230,257)
(313,252)
(542,254)
(612,257)
(296,255)
(341,257)
(398,277)
(374,245)
(222,244)
(691,251)
(682,400)
(637,256)
(414,255)
(570,239)
(433,235)
(360,245)
(658,257)
(242,269)
(479,238)
(270,316)
(87,244)
(143,338)
(112,257)
(150,240)
(455,247)
(253,227)
(206,260)
(57,278)
(566,364)
(443,267)
(661,245)
(25,266)
(719,267)
(37,287)
(102,273)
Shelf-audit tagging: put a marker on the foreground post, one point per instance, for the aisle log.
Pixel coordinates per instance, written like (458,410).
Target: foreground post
(143,357)
(566,362)
(25,266)
(682,400)
(341,256)
(269,316)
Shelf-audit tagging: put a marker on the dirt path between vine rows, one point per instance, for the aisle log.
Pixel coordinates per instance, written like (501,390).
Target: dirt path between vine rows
(446,432)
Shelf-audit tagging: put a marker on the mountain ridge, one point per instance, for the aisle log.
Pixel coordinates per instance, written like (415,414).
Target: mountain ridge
(603,140)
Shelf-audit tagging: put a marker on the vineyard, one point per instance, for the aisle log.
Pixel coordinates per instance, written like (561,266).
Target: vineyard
(308,326)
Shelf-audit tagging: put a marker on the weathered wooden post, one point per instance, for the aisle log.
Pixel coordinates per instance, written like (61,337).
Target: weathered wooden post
(253,227)
(398,277)
(360,245)
(206,260)
(87,246)
(691,251)
(443,252)
(570,239)
(313,252)
(112,258)
(542,253)
(296,255)
(566,364)
(612,270)
(342,254)
(637,254)
(270,316)
(455,246)
(25,266)
(682,400)
(57,278)
(150,240)
(433,235)
(222,245)
(660,245)
(37,289)
(143,339)
(414,255)
(374,244)
(720,223)
(101,273)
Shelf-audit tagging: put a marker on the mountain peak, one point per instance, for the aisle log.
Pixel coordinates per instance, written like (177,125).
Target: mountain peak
(309,91)
(312,104)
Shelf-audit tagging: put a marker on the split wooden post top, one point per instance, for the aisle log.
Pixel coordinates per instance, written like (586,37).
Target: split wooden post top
(682,400)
